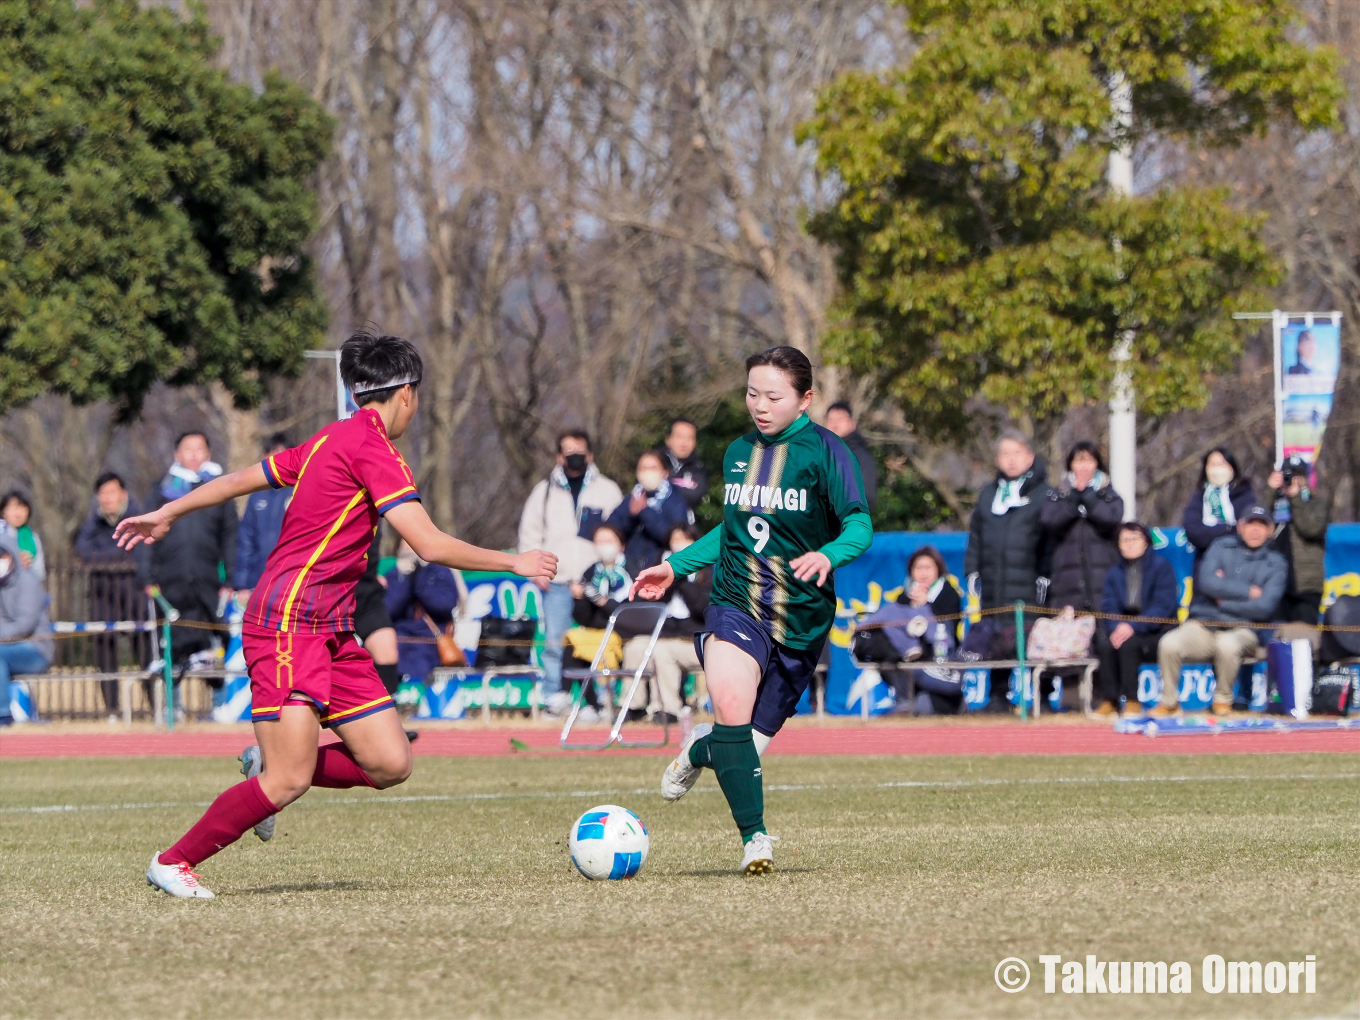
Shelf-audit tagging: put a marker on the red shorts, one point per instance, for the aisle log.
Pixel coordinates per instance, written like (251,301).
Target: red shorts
(329,670)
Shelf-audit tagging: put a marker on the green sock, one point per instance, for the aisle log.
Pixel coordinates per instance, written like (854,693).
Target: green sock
(734,759)
(701,752)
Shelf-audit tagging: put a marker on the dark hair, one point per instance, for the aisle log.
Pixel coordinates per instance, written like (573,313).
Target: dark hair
(109,476)
(789,360)
(1142,529)
(609,528)
(841,405)
(1085,446)
(276,440)
(1226,455)
(193,432)
(580,434)
(680,421)
(374,367)
(14,494)
(930,553)
(688,530)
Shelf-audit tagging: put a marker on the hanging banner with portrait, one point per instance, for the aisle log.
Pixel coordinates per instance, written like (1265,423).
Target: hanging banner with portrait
(1307,362)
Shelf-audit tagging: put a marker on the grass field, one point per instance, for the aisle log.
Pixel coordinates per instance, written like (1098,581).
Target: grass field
(902,882)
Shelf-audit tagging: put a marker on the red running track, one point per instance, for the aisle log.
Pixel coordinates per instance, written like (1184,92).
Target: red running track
(1038,738)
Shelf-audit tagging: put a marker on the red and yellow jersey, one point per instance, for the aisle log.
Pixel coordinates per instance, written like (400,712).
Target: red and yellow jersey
(343,479)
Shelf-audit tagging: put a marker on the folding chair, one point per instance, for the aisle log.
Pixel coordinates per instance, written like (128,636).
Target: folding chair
(595,673)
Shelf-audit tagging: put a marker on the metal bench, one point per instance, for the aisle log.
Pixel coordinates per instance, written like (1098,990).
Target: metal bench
(1036,668)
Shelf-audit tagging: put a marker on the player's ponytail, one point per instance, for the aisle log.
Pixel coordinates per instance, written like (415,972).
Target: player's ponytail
(789,360)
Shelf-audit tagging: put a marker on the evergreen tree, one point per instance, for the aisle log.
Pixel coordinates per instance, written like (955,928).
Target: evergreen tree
(152,213)
(979,246)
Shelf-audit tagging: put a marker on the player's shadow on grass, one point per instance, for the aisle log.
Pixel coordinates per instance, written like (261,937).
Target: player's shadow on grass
(274,890)
(729,873)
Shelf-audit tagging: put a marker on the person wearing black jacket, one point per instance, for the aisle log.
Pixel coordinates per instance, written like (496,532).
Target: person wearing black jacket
(1218,502)
(1009,556)
(840,420)
(188,563)
(680,457)
(1081,517)
(117,578)
(1140,583)
(674,655)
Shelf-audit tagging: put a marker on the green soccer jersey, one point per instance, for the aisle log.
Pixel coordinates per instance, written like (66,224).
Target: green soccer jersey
(783,496)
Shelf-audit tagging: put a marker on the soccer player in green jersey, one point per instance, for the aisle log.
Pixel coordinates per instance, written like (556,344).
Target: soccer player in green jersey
(793,511)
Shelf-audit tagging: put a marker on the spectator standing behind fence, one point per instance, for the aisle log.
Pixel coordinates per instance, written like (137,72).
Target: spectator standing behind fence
(259,529)
(1008,556)
(16,514)
(421,598)
(1241,580)
(680,456)
(840,420)
(560,516)
(686,601)
(1301,520)
(25,633)
(117,579)
(1140,583)
(1081,517)
(194,562)
(1217,504)
(650,513)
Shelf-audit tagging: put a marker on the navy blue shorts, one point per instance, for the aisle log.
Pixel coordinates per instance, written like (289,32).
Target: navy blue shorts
(784,672)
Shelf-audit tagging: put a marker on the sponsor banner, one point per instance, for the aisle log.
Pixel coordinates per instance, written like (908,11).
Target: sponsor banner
(1307,362)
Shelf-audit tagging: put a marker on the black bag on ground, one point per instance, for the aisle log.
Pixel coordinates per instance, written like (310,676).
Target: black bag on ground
(872,645)
(1337,644)
(1333,693)
(506,641)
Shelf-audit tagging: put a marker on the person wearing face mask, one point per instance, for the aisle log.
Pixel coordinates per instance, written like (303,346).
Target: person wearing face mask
(595,596)
(25,633)
(1009,554)
(651,512)
(117,579)
(560,516)
(1081,516)
(686,602)
(1217,504)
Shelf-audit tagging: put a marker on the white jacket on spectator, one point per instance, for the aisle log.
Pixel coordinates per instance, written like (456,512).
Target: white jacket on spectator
(550,522)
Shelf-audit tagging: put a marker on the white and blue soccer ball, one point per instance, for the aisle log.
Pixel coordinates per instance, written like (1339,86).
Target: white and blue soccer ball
(609,842)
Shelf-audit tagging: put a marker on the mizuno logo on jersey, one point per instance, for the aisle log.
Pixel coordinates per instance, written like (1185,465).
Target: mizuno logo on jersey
(765,497)
(739,465)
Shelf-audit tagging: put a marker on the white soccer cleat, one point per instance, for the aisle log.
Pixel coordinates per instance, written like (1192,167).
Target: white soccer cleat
(759,856)
(681,774)
(178,880)
(252,764)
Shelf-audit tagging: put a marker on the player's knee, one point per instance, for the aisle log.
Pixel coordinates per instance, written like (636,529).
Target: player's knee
(283,788)
(391,772)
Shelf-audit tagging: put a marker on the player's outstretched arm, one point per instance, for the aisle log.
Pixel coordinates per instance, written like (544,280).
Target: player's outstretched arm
(150,528)
(432,545)
(653,582)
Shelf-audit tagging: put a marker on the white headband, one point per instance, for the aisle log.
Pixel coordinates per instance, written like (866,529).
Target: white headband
(386,386)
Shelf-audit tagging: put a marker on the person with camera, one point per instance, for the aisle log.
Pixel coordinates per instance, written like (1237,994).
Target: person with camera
(1301,519)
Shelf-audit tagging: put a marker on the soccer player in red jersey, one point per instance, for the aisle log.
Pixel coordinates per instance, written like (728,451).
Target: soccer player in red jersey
(306,668)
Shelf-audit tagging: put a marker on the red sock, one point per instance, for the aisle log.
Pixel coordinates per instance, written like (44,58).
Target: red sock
(226,820)
(336,769)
